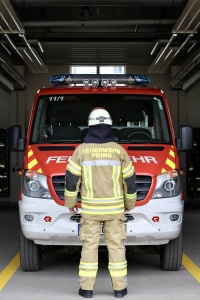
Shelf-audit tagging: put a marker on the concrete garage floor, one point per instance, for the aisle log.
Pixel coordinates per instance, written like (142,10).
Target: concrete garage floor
(59,276)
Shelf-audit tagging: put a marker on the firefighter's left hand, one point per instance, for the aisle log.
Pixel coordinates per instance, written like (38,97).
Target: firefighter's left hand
(73,210)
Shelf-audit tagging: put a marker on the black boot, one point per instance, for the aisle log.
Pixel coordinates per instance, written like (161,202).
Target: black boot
(121,293)
(86,293)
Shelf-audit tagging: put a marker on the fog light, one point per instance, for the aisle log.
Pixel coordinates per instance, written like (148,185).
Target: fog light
(174,217)
(28,218)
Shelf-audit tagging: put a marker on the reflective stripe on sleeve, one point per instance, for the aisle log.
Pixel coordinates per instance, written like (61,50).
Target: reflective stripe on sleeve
(128,170)
(74,168)
(70,193)
(130,196)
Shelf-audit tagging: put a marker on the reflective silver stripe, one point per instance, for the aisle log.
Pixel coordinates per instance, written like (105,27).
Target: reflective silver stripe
(116,173)
(88,265)
(117,265)
(100,163)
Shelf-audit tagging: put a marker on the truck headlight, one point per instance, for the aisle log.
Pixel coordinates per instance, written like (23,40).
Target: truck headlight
(168,185)
(35,185)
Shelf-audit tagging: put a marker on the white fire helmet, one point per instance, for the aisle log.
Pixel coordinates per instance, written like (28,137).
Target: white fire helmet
(99,116)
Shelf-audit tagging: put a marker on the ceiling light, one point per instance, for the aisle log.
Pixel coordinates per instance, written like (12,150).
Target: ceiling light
(187,68)
(195,59)
(164,54)
(2,44)
(6,82)
(40,46)
(162,64)
(154,48)
(191,47)
(9,22)
(191,81)
(183,44)
(188,21)
(33,60)
(12,72)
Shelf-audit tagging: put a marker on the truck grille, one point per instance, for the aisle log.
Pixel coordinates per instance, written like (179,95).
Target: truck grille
(77,217)
(143,186)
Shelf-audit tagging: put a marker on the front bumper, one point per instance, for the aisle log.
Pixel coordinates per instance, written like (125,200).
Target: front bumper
(52,224)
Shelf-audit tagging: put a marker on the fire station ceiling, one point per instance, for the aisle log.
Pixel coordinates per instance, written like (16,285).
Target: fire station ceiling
(157,33)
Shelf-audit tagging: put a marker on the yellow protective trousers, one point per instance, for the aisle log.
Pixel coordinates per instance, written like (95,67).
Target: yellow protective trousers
(114,234)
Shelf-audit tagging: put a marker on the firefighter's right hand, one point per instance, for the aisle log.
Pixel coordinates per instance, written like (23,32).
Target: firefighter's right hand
(126,209)
(73,210)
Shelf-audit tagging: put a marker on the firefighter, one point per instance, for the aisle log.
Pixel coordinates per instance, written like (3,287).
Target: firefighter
(108,189)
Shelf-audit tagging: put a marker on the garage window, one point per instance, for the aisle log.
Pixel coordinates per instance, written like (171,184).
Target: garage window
(97,70)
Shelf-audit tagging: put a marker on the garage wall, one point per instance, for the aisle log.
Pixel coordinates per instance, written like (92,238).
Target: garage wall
(16,108)
(193,105)
(4,110)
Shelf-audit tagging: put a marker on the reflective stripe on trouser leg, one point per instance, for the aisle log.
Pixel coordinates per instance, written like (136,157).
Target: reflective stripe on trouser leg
(115,235)
(89,235)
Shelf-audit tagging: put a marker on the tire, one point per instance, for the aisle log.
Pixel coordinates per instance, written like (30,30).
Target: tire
(30,254)
(171,254)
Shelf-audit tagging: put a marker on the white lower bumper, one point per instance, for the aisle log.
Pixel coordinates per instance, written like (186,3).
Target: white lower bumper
(51,224)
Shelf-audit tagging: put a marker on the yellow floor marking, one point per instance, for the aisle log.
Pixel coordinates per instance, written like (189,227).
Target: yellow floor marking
(191,267)
(12,267)
(9,270)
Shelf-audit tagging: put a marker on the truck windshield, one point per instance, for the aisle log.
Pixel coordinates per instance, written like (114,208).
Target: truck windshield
(136,118)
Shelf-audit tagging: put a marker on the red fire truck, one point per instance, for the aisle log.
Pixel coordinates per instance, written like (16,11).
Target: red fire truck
(141,124)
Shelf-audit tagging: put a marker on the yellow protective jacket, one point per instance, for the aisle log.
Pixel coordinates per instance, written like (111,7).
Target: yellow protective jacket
(107,180)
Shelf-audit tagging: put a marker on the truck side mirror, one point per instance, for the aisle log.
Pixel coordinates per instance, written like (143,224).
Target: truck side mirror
(15,142)
(185,142)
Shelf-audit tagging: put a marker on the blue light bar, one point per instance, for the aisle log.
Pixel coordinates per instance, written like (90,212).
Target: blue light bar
(80,79)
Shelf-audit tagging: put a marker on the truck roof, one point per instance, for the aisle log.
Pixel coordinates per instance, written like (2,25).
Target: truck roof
(119,89)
